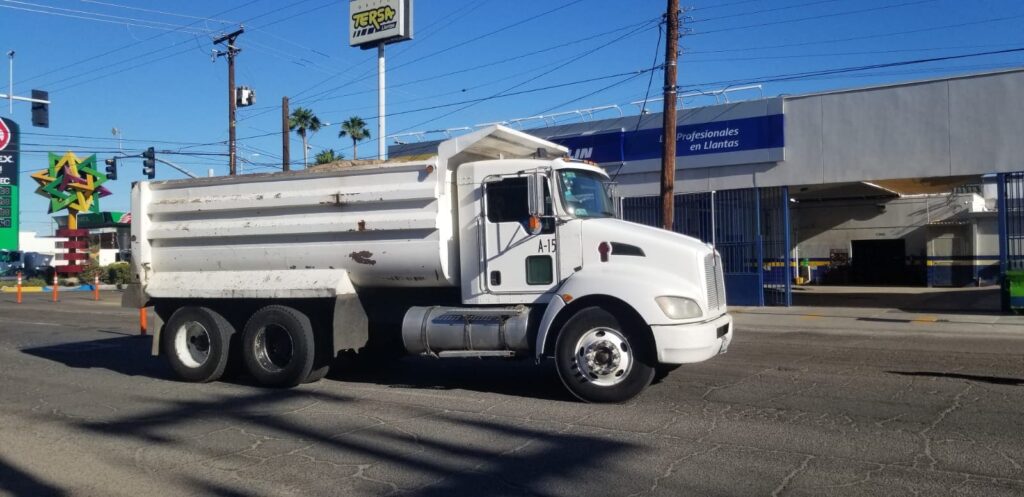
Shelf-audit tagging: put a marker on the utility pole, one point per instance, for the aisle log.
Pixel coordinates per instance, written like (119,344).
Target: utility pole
(668,153)
(285,136)
(232,50)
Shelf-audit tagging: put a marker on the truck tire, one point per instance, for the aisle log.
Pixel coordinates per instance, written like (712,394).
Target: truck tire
(600,360)
(196,341)
(278,346)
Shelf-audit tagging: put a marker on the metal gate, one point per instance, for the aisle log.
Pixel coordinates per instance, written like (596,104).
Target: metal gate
(1011,234)
(749,227)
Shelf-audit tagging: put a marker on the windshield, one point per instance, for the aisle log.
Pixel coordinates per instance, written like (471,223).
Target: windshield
(584,194)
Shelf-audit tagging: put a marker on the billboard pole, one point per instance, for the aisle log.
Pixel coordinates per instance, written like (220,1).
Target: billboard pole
(381,127)
(375,23)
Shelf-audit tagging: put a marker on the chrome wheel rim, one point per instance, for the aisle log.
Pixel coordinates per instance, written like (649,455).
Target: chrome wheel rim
(603,357)
(192,344)
(273,348)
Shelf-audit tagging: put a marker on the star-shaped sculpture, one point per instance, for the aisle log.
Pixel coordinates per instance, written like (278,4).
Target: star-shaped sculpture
(71,183)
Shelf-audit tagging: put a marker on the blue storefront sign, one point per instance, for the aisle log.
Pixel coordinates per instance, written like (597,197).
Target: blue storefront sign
(718,137)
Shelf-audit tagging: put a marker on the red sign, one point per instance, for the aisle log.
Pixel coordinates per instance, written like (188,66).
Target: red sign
(5,135)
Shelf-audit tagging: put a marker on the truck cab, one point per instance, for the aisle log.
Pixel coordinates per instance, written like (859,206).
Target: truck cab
(546,233)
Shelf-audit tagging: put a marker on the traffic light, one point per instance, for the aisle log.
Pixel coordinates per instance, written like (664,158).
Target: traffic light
(149,163)
(40,111)
(111,168)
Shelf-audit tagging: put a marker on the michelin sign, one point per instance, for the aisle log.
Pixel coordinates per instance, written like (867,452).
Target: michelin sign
(372,22)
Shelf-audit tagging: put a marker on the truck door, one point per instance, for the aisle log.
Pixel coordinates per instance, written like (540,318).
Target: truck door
(516,261)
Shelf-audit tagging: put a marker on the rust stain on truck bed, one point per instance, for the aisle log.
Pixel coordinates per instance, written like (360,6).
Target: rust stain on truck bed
(363,257)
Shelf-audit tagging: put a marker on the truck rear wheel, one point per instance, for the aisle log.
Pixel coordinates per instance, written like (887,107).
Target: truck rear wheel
(278,346)
(600,360)
(196,341)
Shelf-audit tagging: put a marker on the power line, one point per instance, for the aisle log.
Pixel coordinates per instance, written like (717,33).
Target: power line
(152,11)
(639,27)
(148,62)
(762,11)
(107,138)
(441,51)
(152,61)
(469,69)
(841,54)
(812,18)
(843,70)
(863,37)
(488,98)
(508,91)
(84,14)
(822,73)
(721,5)
(126,46)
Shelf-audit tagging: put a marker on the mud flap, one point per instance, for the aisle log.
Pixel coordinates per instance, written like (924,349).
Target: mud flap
(351,326)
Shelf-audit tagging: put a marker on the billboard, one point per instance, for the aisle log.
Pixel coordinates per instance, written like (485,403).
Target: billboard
(9,155)
(371,22)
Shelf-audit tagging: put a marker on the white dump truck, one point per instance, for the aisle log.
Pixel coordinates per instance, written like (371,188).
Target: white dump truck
(499,246)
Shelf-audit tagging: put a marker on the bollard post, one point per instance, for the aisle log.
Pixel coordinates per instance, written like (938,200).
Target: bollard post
(54,287)
(96,288)
(143,321)
(19,287)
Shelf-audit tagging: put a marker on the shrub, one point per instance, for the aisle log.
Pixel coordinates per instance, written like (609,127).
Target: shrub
(117,273)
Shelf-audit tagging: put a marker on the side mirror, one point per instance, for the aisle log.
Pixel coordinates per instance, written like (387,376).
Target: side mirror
(535,192)
(612,188)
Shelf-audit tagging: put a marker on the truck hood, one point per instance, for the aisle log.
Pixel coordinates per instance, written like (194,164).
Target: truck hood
(654,242)
(661,261)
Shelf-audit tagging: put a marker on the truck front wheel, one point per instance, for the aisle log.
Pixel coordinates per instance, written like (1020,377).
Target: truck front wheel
(196,341)
(600,360)
(278,346)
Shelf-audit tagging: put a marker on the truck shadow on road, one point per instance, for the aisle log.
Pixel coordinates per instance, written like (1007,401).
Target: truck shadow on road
(130,355)
(18,482)
(519,378)
(404,448)
(127,355)
(994,380)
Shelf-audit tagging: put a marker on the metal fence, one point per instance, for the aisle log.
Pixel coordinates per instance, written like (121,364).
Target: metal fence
(1011,231)
(749,227)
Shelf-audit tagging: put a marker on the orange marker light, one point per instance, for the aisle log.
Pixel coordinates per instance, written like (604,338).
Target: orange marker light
(535,225)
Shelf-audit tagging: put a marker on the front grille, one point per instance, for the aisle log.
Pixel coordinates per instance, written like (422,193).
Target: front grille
(715,281)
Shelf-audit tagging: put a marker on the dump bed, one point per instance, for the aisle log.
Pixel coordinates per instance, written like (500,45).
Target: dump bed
(386,225)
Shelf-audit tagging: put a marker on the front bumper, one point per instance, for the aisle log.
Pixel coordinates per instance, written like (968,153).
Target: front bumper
(696,342)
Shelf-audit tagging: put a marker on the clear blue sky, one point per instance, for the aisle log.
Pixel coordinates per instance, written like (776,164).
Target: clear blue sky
(149,73)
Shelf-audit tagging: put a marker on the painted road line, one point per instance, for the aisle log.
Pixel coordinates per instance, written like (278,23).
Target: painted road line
(925,319)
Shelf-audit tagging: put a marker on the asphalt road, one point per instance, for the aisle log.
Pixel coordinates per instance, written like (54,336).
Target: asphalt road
(800,406)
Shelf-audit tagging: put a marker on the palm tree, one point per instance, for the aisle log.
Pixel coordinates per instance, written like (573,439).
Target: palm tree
(355,128)
(328,155)
(304,123)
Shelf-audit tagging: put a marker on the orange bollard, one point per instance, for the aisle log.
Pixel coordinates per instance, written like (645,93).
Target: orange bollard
(143,321)
(19,287)
(55,287)
(96,288)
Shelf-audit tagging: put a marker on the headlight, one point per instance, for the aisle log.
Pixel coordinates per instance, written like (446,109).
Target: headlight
(679,307)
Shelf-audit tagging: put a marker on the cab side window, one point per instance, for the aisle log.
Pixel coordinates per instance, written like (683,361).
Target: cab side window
(507,202)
